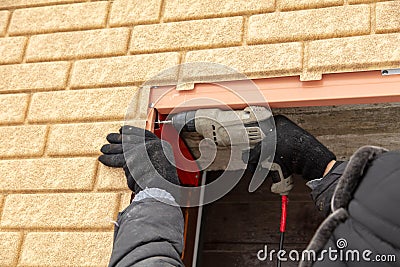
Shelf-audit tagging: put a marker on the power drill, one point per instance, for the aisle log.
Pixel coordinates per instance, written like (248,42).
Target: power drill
(238,129)
(225,127)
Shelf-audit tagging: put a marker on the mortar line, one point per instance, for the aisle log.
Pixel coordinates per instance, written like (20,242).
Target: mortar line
(132,24)
(211,16)
(182,57)
(83,155)
(28,107)
(33,157)
(3,205)
(68,122)
(72,30)
(91,87)
(7,34)
(61,191)
(46,142)
(109,6)
(20,246)
(96,179)
(373,18)
(245,30)
(127,48)
(43,5)
(32,229)
(114,190)
(52,31)
(74,58)
(179,49)
(77,58)
(111,121)
(162,12)
(69,75)
(304,57)
(117,207)
(25,48)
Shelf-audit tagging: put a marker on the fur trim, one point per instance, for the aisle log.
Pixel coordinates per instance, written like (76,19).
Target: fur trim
(324,232)
(353,175)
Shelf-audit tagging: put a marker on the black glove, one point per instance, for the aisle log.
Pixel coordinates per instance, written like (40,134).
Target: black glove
(297,151)
(143,156)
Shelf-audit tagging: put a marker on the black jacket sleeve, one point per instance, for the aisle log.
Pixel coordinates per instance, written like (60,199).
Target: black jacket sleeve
(149,233)
(365,218)
(324,188)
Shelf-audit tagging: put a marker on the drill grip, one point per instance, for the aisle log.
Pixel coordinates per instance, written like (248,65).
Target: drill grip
(184,121)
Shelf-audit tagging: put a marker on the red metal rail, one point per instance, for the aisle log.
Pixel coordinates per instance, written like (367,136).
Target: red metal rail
(334,89)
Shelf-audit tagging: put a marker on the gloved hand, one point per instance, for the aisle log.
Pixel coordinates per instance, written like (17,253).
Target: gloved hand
(297,151)
(143,156)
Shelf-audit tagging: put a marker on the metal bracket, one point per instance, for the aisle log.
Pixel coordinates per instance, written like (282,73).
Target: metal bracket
(390,72)
(284,186)
(185,86)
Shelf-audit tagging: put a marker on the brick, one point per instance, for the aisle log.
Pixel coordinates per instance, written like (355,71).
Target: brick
(127,12)
(13,108)
(354,53)
(59,18)
(254,61)
(43,76)
(111,178)
(388,16)
(47,174)
(16,141)
(125,200)
(122,70)
(309,24)
(187,34)
(305,4)
(67,45)
(61,210)
(67,248)
(31,3)
(82,105)
(4,17)
(12,49)
(190,9)
(9,245)
(63,139)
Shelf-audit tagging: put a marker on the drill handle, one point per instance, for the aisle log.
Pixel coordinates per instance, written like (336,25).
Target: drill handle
(281,185)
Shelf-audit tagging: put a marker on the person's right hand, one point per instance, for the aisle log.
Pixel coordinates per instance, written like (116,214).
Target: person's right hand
(297,151)
(143,156)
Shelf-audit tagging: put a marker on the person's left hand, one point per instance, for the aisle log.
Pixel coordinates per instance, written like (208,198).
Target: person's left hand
(143,156)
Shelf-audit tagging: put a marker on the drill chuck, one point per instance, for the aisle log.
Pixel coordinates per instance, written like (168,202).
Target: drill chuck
(184,121)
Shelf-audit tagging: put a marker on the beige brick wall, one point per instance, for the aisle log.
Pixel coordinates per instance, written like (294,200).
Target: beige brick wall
(70,68)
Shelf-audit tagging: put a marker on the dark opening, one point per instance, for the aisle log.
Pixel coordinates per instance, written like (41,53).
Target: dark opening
(237,226)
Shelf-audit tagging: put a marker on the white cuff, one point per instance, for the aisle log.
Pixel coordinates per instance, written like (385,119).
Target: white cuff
(155,193)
